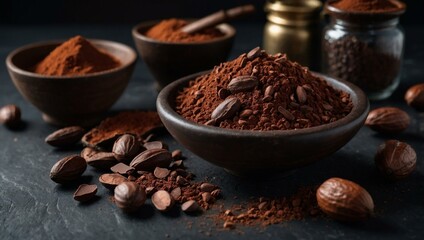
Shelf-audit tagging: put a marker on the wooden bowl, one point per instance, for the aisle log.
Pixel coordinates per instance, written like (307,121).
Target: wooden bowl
(169,61)
(70,100)
(244,151)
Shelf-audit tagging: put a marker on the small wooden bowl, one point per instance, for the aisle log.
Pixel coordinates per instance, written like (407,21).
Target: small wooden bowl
(169,61)
(70,100)
(243,152)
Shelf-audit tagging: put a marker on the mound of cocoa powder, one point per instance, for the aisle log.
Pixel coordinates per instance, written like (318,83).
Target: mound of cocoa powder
(366,5)
(76,56)
(257,91)
(169,31)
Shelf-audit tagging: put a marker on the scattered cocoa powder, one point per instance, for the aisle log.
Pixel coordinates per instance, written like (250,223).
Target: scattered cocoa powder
(179,183)
(175,180)
(172,180)
(169,31)
(77,56)
(257,91)
(366,5)
(264,211)
(137,123)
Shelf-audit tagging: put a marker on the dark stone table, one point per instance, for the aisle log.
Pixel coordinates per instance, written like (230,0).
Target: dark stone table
(34,207)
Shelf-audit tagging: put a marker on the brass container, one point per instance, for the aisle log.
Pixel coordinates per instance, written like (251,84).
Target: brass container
(294,28)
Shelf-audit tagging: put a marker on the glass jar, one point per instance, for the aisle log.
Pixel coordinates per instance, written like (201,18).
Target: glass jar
(365,49)
(293,28)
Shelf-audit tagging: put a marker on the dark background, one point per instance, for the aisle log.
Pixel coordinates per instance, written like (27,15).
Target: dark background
(133,11)
(34,207)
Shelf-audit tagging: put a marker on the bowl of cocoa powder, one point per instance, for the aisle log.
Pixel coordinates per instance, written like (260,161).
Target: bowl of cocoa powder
(262,113)
(72,82)
(171,54)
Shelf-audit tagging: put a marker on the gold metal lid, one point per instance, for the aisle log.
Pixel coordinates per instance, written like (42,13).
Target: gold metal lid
(293,12)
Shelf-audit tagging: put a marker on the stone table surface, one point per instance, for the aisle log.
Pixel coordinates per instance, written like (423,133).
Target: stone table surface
(34,207)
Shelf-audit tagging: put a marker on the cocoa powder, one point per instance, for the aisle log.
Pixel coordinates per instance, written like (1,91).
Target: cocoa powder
(366,5)
(76,56)
(169,31)
(257,91)
(138,123)
(264,211)
(173,178)
(179,183)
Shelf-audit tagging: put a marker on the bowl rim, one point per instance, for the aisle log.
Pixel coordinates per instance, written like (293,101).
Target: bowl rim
(96,42)
(164,108)
(141,36)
